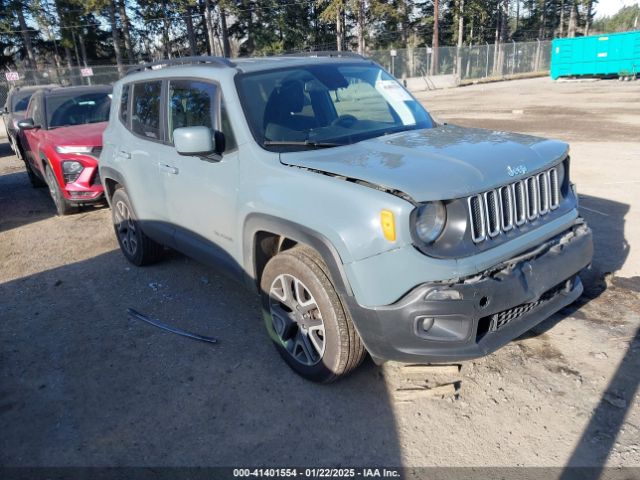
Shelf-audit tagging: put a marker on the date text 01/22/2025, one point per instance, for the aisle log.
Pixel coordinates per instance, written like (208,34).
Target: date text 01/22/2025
(316,473)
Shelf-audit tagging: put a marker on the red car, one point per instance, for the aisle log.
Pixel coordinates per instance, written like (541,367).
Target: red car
(61,139)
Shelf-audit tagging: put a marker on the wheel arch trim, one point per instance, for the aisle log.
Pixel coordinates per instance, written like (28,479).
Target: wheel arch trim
(258,222)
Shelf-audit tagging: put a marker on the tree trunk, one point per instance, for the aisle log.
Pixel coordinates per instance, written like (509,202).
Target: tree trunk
(587,23)
(83,49)
(75,47)
(188,20)
(434,39)
(126,31)
(115,36)
(561,19)
(204,19)
(404,23)
(209,22)
(496,40)
(573,18)
(226,45)
(26,38)
(361,20)
(541,30)
(460,38)
(339,45)
(166,43)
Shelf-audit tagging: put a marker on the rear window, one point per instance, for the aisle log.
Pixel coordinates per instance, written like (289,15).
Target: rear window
(145,112)
(77,109)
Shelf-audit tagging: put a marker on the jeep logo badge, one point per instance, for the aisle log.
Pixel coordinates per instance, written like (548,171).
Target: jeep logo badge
(517,170)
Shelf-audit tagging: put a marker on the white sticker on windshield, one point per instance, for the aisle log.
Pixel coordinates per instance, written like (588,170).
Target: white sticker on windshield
(393,90)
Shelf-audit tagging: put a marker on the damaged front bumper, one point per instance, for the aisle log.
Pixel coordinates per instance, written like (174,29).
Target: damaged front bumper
(472,317)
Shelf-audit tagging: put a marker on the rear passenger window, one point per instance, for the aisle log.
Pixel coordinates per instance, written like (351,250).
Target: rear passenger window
(124,105)
(191,104)
(145,113)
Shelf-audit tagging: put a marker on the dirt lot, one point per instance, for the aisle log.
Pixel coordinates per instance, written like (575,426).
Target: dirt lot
(82,384)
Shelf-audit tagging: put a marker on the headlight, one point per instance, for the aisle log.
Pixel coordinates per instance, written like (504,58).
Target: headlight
(72,167)
(73,149)
(429,221)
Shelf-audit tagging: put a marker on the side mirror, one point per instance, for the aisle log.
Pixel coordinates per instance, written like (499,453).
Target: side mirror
(198,141)
(27,124)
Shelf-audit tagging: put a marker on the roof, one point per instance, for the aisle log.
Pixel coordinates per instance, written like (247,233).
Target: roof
(79,90)
(33,88)
(250,64)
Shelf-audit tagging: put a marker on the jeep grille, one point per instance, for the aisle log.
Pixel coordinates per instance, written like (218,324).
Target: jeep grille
(497,211)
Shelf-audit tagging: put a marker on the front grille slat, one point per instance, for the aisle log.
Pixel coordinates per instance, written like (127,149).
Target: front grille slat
(531,187)
(543,191)
(478,227)
(496,211)
(493,215)
(554,188)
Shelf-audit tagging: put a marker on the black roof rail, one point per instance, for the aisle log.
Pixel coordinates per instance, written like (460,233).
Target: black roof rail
(326,53)
(169,62)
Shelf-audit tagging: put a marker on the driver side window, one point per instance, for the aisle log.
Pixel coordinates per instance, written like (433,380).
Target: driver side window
(191,104)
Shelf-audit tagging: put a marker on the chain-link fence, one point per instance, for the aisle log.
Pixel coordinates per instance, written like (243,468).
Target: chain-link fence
(469,62)
(423,63)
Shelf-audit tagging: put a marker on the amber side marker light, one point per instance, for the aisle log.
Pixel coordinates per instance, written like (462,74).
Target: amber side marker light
(388,224)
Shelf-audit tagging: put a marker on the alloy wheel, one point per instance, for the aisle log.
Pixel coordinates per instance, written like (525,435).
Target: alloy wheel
(297,320)
(126,228)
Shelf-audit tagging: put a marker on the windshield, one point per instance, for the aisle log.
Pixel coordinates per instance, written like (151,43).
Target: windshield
(20,101)
(326,105)
(67,110)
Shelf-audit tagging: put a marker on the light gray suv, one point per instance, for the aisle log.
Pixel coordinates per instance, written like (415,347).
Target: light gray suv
(365,225)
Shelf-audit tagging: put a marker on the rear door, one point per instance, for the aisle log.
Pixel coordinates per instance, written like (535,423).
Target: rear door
(139,153)
(202,192)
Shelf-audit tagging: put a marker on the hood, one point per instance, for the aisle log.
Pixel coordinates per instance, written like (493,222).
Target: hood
(437,163)
(89,134)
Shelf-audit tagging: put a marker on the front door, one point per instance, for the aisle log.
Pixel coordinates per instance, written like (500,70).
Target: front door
(202,192)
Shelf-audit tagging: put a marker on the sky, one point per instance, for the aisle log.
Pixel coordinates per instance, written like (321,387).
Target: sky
(606,8)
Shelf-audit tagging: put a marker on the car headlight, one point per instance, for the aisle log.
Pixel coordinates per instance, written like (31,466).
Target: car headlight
(429,221)
(73,149)
(71,167)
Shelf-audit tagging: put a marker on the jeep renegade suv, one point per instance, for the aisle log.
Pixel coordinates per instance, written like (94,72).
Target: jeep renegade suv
(365,225)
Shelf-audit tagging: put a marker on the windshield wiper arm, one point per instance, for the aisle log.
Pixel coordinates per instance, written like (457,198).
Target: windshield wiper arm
(300,143)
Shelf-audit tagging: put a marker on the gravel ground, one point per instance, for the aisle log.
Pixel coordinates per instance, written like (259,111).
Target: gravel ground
(81,384)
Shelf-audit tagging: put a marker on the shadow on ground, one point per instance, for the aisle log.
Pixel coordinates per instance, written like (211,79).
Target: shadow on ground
(83,384)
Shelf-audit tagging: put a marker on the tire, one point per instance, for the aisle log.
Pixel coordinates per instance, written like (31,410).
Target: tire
(134,244)
(36,181)
(305,319)
(63,207)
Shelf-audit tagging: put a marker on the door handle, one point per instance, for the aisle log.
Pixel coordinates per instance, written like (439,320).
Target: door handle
(167,168)
(124,154)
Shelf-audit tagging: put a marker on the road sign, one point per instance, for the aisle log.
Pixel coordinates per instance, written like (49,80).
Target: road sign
(12,76)
(86,72)
(393,53)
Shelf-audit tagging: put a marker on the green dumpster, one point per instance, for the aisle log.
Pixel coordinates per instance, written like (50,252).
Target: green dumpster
(596,55)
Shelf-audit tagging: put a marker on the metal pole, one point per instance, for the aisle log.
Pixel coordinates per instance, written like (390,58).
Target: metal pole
(513,65)
(486,70)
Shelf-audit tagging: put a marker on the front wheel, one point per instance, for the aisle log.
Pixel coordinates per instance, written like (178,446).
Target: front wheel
(134,244)
(305,318)
(63,207)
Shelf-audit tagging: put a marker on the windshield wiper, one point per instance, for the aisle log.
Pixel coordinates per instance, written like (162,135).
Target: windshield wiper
(300,143)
